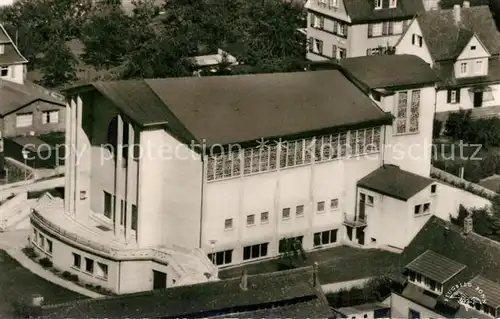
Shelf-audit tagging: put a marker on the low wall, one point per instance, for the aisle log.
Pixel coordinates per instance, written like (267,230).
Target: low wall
(331,288)
(454,191)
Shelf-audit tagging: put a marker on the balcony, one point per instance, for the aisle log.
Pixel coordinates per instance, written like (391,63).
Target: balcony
(354,221)
(188,263)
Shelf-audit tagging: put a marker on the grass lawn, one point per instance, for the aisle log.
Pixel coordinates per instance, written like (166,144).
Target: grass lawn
(336,264)
(18,283)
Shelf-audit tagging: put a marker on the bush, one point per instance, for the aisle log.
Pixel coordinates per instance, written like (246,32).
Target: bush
(74,278)
(437,128)
(24,310)
(457,124)
(66,275)
(45,262)
(30,252)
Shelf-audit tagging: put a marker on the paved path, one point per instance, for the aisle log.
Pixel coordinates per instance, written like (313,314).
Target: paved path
(13,241)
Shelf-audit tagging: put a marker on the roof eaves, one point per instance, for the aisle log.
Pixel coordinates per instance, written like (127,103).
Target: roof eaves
(373,189)
(14,45)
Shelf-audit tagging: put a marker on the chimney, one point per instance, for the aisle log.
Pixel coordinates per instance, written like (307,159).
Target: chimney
(468,227)
(244,280)
(456,14)
(466,4)
(315,276)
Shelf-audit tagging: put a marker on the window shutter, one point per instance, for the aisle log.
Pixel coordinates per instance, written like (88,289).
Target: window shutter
(370,30)
(345,30)
(322,22)
(334,51)
(413,38)
(335,27)
(384,28)
(312,19)
(320,46)
(448,98)
(457,94)
(310,44)
(391,27)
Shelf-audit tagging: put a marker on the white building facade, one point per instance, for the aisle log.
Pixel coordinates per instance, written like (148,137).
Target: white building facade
(266,173)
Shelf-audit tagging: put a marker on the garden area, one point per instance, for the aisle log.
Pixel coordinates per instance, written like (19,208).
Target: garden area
(47,264)
(471,144)
(376,290)
(18,285)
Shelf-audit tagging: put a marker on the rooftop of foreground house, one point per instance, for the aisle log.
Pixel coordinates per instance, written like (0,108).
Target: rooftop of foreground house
(245,108)
(291,293)
(11,54)
(445,254)
(390,180)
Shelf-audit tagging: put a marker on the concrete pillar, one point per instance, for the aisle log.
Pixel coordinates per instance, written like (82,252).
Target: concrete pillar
(130,196)
(78,150)
(118,176)
(74,147)
(67,157)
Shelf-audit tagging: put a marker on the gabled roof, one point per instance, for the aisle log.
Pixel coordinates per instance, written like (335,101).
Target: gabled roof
(488,287)
(384,71)
(363,11)
(15,96)
(446,73)
(11,54)
(480,255)
(446,40)
(390,180)
(237,109)
(282,289)
(435,266)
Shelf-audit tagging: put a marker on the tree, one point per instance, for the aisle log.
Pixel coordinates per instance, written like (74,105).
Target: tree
(292,253)
(61,73)
(107,38)
(458,124)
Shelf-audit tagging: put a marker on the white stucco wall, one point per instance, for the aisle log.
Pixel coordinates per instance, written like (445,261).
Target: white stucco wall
(491,98)
(405,45)
(411,151)
(273,191)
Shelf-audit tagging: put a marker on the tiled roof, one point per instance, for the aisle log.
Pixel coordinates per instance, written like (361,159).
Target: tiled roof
(363,11)
(435,266)
(480,255)
(235,109)
(390,180)
(445,71)
(446,40)
(384,71)
(15,96)
(489,288)
(11,54)
(202,300)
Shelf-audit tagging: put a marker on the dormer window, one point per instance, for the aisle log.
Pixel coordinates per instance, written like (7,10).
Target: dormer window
(378,4)
(393,3)
(431,271)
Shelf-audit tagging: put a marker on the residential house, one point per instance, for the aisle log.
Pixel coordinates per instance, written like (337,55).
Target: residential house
(463,46)
(337,29)
(13,66)
(204,150)
(28,110)
(451,273)
(286,294)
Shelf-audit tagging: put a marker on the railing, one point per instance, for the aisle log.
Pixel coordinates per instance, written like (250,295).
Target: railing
(157,255)
(354,220)
(89,243)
